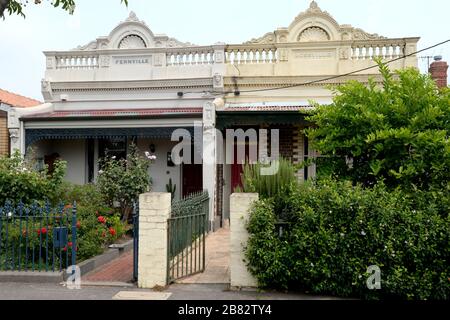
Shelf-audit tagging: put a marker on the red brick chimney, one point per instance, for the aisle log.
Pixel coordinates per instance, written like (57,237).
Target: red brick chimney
(438,71)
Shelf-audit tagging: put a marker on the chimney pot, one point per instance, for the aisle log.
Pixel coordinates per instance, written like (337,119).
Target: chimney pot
(438,71)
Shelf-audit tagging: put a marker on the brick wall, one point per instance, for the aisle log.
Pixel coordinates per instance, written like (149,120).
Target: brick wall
(298,150)
(287,143)
(4,134)
(219,191)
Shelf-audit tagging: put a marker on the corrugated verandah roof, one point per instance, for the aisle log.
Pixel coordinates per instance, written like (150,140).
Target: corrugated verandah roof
(119,113)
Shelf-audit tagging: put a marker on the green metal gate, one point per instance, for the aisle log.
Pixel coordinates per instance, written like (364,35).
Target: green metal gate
(187,230)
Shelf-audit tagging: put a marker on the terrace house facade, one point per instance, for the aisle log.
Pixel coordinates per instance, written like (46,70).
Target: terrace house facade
(137,86)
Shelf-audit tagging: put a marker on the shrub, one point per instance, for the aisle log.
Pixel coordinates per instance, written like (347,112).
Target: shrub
(274,186)
(397,133)
(21,181)
(93,233)
(336,231)
(268,185)
(123,180)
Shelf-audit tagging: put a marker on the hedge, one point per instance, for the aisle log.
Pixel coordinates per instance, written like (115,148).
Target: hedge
(337,230)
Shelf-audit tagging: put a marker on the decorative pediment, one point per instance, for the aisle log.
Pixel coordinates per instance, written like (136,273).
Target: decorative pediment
(315,25)
(133,34)
(313,34)
(267,38)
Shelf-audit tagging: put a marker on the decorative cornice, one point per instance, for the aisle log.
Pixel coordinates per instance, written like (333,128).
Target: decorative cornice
(262,82)
(132,85)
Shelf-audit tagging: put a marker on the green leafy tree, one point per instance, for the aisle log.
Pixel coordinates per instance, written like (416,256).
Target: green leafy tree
(123,180)
(16,6)
(397,132)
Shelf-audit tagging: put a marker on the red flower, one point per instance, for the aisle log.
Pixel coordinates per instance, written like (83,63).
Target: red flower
(78,225)
(112,231)
(70,244)
(65,249)
(101,219)
(43,231)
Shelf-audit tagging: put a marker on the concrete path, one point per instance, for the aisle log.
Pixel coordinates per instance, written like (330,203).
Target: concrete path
(217,260)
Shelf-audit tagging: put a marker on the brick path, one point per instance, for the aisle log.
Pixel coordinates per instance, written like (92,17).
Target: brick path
(217,260)
(118,270)
(217,264)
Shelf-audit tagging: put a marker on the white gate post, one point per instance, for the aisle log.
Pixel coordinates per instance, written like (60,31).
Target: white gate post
(154,210)
(240,205)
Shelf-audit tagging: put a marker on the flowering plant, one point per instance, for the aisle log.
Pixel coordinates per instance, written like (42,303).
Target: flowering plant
(123,180)
(150,156)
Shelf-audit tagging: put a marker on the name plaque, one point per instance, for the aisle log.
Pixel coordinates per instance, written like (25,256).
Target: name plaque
(133,60)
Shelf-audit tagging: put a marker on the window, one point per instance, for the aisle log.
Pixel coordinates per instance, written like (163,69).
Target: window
(116,147)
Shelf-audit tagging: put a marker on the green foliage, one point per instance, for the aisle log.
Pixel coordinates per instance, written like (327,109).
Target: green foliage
(337,230)
(268,185)
(273,186)
(397,133)
(123,180)
(20,181)
(94,236)
(16,7)
(171,188)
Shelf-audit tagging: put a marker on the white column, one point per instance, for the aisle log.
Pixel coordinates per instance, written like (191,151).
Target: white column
(209,156)
(16,136)
(154,210)
(240,205)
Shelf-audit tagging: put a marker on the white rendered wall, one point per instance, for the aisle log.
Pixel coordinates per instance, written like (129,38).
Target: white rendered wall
(72,151)
(159,171)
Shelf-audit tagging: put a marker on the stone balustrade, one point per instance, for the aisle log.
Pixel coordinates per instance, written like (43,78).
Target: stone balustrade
(77,62)
(251,54)
(386,49)
(265,59)
(190,56)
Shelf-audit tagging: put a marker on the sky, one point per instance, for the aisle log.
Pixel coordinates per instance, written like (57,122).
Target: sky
(203,22)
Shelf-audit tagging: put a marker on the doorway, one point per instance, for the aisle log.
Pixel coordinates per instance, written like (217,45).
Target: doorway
(192,179)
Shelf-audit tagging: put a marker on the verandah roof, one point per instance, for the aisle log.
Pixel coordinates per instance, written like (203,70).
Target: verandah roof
(34,135)
(261,115)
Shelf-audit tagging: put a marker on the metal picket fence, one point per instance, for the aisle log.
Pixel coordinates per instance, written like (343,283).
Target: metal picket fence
(37,237)
(187,230)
